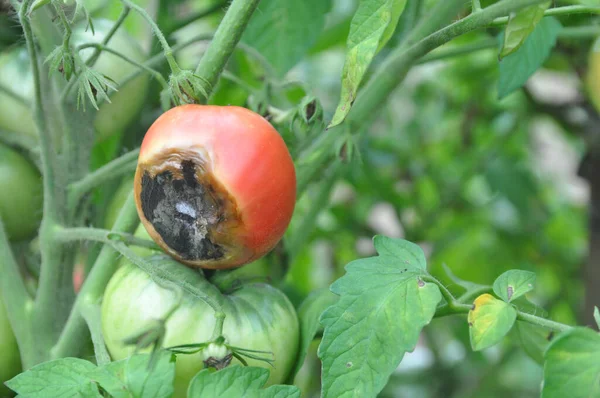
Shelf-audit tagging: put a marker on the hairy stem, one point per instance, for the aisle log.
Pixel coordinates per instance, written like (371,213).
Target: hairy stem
(557,11)
(226,37)
(103,235)
(113,169)
(168,52)
(96,54)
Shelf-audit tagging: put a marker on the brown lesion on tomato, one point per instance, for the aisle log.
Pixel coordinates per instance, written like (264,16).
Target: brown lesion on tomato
(188,208)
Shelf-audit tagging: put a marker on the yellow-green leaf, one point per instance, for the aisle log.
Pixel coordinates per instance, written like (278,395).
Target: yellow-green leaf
(489,321)
(372,26)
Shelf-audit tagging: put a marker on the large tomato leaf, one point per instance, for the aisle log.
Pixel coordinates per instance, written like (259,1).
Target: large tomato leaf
(517,67)
(520,25)
(489,321)
(309,313)
(513,284)
(372,26)
(572,367)
(384,303)
(61,378)
(284,31)
(237,381)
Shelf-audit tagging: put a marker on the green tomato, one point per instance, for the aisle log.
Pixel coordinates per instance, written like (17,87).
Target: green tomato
(15,74)
(20,195)
(258,317)
(113,117)
(10,360)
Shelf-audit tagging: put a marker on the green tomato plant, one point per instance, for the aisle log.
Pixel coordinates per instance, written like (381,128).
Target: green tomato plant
(82,88)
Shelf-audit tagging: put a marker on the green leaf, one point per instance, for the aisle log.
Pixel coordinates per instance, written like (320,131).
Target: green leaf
(284,31)
(372,26)
(533,339)
(489,321)
(309,313)
(572,367)
(409,252)
(383,306)
(513,284)
(135,377)
(237,381)
(520,25)
(61,378)
(597,316)
(516,68)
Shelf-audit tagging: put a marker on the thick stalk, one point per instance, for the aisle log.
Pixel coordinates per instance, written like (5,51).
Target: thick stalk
(226,37)
(52,299)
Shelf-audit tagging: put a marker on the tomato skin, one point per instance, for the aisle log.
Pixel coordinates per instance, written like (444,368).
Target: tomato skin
(15,73)
(258,317)
(10,359)
(20,195)
(246,158)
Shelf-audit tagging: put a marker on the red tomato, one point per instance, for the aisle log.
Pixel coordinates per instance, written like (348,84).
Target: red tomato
(215,187)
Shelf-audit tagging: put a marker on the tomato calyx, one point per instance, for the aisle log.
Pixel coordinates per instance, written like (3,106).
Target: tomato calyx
(218,354)
(188,208)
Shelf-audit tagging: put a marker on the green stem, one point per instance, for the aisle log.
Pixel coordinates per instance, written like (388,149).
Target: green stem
(454,307)
(102,235)
(167,51)
(438,17)
(219,321)
(52,300)
(545,323)
(159,58)
(156,74)
(571,32)
(74,336)
(113,169)
(194,17)
(557,11)
(475,5)
(92,315)
(226,37)
(96,54)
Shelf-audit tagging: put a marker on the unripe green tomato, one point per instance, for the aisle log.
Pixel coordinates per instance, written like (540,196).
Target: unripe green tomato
(20,195)
(15,74)
(258,317)
(593,75)
(10,359)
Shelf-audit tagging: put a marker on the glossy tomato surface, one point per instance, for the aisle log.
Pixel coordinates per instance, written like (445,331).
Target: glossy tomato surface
(20,194)
(15,73)
(215,186)
(10,360)
(258,317)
